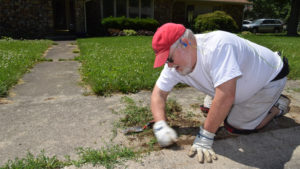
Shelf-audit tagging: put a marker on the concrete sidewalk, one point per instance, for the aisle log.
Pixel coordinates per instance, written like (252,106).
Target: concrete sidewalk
(49,111)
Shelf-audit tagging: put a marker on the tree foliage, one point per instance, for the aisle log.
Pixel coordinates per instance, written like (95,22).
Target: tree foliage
(269,9)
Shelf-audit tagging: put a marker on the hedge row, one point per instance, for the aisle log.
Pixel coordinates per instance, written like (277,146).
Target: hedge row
(130,23)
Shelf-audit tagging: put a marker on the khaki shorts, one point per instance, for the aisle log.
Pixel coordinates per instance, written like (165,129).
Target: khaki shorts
(250,113)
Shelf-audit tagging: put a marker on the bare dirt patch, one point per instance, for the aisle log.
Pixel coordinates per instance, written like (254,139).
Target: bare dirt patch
(187,122)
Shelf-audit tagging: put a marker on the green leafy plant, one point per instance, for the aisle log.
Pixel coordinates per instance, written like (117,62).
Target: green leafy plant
(76,51)
(217,20)
(30,161)
(108,156)
(70,59)
(172,108)
(130,23)
(46,60)
(151,143)
(129,32)
(134,115)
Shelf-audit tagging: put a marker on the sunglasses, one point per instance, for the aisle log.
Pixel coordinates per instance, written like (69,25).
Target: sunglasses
(170,59)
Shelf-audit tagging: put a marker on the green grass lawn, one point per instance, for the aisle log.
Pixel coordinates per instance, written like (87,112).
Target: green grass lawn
(125,64)
(118,64)
(16,56)
(289,46)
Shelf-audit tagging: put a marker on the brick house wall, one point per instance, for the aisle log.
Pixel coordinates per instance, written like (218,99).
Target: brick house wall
(25,18)
(163,10)
(35,18)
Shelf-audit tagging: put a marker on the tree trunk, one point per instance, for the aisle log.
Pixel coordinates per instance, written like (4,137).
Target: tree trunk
(294,18)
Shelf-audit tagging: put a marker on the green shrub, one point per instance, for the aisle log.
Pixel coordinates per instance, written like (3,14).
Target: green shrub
(130,23)
(217,20)
(129,32)
(246,33)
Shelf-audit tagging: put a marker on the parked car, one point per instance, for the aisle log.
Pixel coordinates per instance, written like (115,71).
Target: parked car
(264,25)
(246,22)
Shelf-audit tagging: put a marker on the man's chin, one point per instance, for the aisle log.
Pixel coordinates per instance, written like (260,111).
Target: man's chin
(185,71)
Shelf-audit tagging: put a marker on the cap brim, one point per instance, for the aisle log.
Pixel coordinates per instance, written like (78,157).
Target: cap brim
(161,58)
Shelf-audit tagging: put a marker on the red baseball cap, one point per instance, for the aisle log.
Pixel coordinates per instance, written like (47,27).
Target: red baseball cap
(163,39)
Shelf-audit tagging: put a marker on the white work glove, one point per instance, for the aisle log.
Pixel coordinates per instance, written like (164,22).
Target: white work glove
(207,101)
(164,134)
(203,146)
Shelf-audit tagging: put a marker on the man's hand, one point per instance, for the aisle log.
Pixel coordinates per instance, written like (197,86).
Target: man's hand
(165,135)
(203,146)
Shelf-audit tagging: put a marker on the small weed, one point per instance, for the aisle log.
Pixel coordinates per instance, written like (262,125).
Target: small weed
(172,109)
(195,106)
(141,115)
(54,43)
(46,60)
(134,115)
(107,157)
(151,143)
(116,125)
(87,93)
(76,51)
(189,114)
(296,89)
(65,59)
(30,161)
(114,112)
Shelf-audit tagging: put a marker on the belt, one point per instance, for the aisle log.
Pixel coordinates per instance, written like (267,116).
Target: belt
(284,71)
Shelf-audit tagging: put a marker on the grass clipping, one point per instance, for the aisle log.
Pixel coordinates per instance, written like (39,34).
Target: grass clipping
(184,123)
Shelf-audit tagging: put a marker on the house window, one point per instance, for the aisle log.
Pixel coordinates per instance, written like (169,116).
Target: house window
(128,8)
(108,8)
(133,8)
(121,8)
(146,8)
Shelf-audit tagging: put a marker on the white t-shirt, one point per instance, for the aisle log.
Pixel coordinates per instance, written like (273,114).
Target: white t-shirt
(222,56)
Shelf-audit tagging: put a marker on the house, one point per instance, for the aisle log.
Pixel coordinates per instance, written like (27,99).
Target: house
(39,18)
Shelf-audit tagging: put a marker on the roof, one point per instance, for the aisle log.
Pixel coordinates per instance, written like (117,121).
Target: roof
(229,1)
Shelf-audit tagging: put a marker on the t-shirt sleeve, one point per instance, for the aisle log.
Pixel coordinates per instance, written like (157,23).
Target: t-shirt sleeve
(224,65)
(167,79)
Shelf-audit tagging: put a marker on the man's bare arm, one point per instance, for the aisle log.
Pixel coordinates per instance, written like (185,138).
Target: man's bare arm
(158,101)
(221,105)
